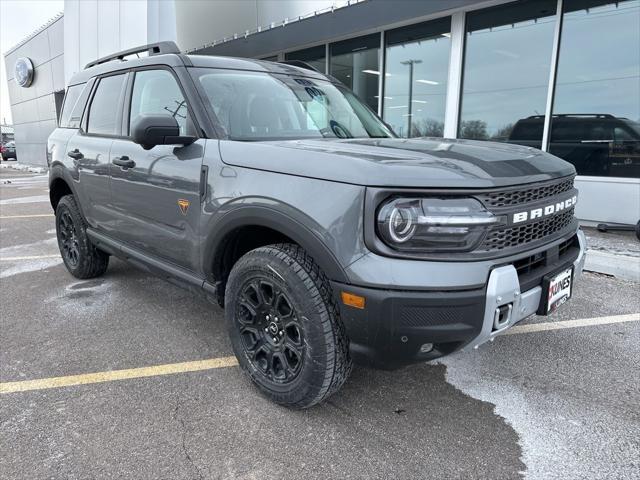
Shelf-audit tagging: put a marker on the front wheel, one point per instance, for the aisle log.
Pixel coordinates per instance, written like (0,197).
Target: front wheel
(285,327)
(81,258)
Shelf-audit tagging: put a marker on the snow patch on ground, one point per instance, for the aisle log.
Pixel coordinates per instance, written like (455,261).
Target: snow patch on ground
(26,266)
(43,247)
(23,167)
(19,200)
(83,298)
(556,440)
(8,268)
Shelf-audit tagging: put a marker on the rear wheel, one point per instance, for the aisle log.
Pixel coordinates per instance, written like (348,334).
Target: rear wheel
(81,258)
(285,327)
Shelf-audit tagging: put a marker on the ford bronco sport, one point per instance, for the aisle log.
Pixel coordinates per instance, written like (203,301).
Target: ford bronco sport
(273,190)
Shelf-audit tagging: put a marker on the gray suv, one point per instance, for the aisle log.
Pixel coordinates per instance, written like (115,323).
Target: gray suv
(272,190)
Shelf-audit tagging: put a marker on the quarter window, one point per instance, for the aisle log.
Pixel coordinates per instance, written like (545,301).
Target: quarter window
(157,92)
(103,115)
(74,103)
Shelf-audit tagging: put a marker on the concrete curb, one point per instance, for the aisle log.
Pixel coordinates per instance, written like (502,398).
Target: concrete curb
(624,267)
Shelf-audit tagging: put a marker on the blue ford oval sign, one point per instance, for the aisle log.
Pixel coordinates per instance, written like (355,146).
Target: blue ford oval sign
(24,72)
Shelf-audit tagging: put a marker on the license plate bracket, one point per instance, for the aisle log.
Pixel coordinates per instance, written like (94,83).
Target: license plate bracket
(556,290)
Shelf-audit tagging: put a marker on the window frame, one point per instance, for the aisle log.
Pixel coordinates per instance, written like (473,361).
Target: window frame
(84,124)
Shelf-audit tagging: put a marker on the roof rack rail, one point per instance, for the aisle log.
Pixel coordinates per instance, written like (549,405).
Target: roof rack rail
(159,48)
(596,115)
(299,63)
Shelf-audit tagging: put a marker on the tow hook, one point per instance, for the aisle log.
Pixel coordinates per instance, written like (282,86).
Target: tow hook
(502,316)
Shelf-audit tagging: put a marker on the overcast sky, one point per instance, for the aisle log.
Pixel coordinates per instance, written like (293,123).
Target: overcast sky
(19,19)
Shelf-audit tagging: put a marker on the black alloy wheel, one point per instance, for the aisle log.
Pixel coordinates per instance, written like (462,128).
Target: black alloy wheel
(81,258)
(68,240)
(285,326)
(270,330)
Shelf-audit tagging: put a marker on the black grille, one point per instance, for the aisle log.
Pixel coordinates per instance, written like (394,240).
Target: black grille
(500,239)
(506,198)
(532,269)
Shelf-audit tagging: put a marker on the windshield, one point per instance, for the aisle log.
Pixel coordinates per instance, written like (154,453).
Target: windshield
(253,106)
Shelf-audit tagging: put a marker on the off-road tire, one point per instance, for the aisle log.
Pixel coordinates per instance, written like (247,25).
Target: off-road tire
(88,262)
(325,359)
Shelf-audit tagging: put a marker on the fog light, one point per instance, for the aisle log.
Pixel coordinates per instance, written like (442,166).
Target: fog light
(426,348)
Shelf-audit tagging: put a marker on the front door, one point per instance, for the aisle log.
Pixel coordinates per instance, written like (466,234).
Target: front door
(156,192)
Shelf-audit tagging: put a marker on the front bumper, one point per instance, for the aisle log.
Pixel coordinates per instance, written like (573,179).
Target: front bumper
(399,327)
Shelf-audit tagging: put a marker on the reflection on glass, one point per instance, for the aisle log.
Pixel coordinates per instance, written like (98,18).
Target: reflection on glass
(315,56)
(356,64)
(596,109)
(506,71)
(417,64)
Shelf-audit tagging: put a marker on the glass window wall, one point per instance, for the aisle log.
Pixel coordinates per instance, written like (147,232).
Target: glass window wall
(355,63)
(596,111)
(415,85)
(506,72)
(314,56)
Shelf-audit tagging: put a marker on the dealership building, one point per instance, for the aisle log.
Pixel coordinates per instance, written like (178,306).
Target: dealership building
(560,75)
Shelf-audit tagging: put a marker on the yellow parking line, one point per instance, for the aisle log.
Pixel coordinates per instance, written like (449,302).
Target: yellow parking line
(99,377)
(3,217)
(31,257)
(224,362)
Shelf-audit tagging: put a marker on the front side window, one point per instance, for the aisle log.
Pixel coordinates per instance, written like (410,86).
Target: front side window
(103,114)
(506,72)
(260,106)
(157,92)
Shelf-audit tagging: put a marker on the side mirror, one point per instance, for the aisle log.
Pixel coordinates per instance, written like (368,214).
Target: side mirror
(149,130)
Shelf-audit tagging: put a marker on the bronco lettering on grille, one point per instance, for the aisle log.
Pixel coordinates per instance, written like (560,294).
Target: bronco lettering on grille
(545,211)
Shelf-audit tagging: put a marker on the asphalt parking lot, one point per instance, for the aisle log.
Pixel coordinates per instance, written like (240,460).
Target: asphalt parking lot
(557,398)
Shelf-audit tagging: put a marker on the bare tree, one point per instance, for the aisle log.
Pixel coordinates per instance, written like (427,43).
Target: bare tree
(474,129)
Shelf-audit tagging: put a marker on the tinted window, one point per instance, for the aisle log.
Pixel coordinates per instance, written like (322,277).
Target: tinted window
(415,87)
(598,88)
(103,114)
(157,92)
(506,69)
(528,130)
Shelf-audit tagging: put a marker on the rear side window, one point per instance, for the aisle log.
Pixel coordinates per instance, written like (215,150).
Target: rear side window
(74,102)
(103,114)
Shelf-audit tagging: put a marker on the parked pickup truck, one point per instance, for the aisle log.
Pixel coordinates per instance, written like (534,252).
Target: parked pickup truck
(273,190)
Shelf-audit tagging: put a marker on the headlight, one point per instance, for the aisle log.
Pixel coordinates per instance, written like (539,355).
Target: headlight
(434,224)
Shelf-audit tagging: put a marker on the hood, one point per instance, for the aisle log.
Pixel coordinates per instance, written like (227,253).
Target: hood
(395,162)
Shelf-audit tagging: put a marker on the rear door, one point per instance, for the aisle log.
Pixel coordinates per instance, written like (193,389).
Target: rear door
(157,197)
(89,150)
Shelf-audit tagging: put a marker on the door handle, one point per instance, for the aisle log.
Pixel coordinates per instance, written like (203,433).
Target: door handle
(124,162)
(76,154)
